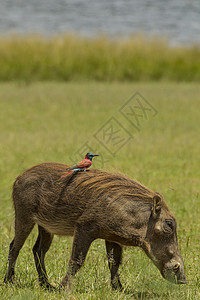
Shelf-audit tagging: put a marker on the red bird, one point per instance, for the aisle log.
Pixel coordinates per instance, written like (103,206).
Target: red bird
(82,165)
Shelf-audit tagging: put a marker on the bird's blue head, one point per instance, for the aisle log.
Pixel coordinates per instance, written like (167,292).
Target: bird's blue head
(90,156)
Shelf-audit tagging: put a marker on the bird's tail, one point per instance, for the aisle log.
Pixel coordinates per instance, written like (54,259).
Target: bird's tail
(64,175)
(71,171)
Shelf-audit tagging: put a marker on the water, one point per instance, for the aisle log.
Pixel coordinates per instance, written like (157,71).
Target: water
(178,20)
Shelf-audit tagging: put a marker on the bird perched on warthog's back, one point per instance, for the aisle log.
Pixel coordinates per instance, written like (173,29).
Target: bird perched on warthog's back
(82,165)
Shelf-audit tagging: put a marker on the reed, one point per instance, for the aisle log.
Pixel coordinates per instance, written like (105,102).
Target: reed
(74,58)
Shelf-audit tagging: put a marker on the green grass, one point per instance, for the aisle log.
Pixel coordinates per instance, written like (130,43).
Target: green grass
(50,122)
(67,57)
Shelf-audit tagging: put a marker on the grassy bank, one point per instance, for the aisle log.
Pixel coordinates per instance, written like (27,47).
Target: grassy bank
(51,122)
(66,58)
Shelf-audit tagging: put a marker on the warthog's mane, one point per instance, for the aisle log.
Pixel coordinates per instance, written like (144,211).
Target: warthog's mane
(97,183)
(45,179)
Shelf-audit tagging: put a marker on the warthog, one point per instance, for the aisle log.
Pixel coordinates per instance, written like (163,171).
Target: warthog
(91,205)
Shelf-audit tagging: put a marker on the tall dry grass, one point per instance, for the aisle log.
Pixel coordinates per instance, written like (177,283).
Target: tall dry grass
(68,57)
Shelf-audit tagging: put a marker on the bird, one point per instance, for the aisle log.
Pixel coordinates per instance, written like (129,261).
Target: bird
(82,165)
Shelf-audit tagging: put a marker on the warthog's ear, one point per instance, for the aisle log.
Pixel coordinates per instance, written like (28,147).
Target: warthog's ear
(156,206)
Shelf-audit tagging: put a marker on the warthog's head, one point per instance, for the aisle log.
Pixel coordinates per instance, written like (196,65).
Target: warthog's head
(162,244)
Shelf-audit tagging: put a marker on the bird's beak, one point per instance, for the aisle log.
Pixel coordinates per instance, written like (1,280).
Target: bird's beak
(95,155)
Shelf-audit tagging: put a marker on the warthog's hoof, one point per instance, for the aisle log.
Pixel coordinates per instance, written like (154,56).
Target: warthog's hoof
(48,286)
(9,279)
(65,284)
(117,285)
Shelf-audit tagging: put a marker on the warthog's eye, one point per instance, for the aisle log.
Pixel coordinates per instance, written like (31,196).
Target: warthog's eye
(169,225)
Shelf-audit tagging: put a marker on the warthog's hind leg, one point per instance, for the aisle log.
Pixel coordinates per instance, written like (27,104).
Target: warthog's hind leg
(11,268)
(40,248)
(22,230)
(114,254)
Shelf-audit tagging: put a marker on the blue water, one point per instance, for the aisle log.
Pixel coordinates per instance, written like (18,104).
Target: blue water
(177,20)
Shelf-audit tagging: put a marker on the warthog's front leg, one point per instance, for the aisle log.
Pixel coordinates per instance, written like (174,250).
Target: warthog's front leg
(114,254)
(82,240)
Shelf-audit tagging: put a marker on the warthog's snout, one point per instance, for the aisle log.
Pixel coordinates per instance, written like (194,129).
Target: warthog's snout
(173,271)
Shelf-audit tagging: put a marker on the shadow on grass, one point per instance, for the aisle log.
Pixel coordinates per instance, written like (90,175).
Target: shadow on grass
(145,294)
(31,286)
(141,295)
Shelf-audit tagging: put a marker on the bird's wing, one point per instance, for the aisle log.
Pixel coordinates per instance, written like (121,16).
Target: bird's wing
(85,163)
(72,167)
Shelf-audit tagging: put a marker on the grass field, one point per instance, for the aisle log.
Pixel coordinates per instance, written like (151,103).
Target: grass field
(51,122)
(73,58)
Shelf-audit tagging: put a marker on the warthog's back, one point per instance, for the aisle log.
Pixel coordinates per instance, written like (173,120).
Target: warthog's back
(58,203)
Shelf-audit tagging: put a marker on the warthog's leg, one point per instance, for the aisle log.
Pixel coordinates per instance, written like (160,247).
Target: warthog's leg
(114,254)
(39,250)
(22,230)
(82,240)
